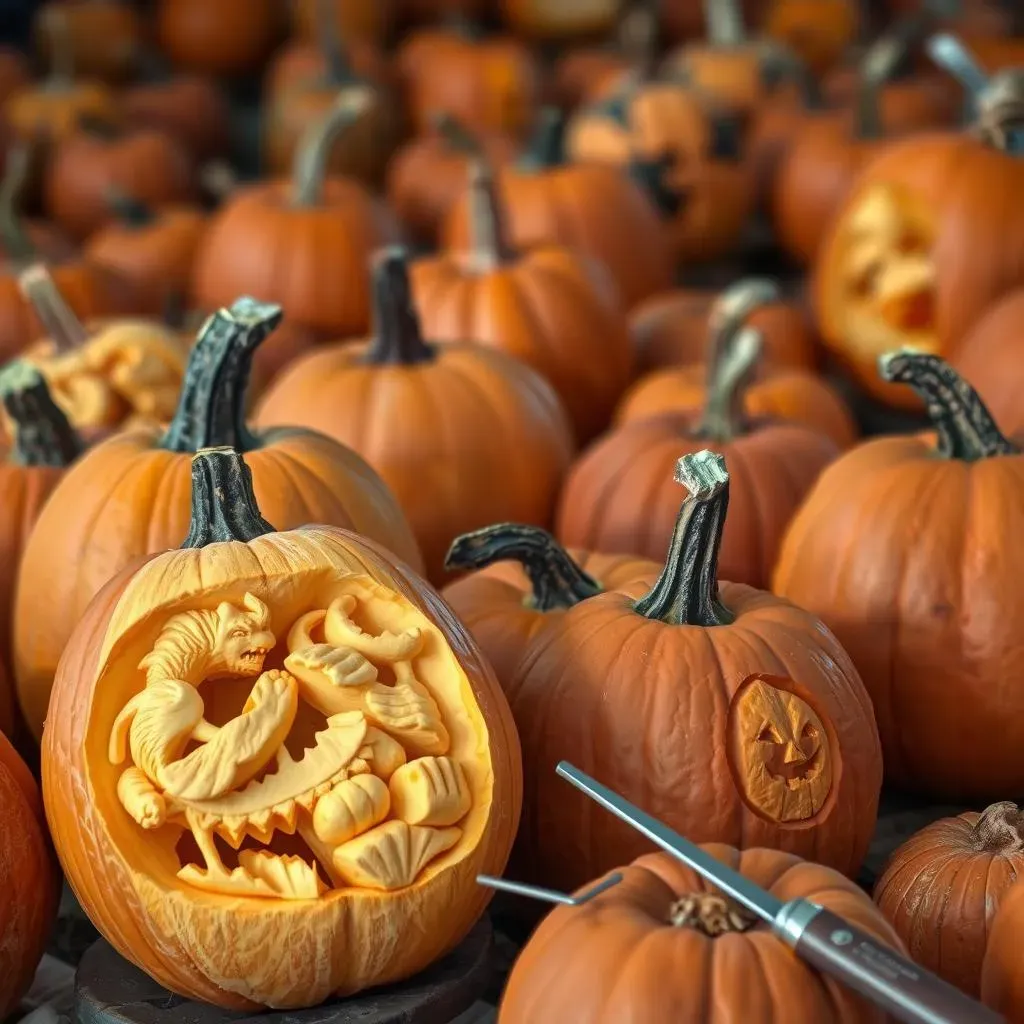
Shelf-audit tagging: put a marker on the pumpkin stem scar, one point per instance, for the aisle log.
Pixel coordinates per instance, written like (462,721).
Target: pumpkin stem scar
(732,364)
(332,46)
(686,592)
(130,211)
(999,829)
(397,335)
(42,434)
(711,914)
(489,246)
(211,406)
(965,428)
(556,580)
(17,244)
(59,320)
(223,502)
(545,147)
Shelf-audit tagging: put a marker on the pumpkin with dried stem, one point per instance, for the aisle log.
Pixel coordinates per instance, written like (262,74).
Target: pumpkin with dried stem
(434,420)
(128,496)
(394,764)
(922,589)
(548,307)
(755,728)
(618,495)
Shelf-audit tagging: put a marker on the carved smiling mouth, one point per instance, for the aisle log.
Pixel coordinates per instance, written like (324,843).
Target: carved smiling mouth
(796,772)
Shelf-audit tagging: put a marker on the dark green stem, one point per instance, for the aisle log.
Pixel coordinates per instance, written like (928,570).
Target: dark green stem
(130,211)
(223,502)
(398,337)
(556,581)
(686,593)
(332,46)
(211,407)
(545,148)
(42,434)
(18,246)
(965,428)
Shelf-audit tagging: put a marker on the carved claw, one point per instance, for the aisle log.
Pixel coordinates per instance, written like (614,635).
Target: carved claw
(341,631)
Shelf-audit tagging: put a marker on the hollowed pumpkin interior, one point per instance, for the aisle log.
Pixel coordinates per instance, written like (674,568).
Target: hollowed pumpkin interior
(293,738)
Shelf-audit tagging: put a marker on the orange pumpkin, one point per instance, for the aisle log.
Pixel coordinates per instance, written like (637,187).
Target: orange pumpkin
(588,207)
(817,32)
(617,498)
(1002,983)
(557,22)
(547,307)
(943,887)
(434,420)
(100,38)
(128,496)
(190,108)
(397,814)
(922,594)
(662,945)
(726,680)
(29,882)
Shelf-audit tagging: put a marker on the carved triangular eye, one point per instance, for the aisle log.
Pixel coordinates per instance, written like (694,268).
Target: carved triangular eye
(769,734)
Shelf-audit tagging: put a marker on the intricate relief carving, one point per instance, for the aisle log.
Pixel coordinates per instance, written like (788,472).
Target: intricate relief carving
(373,800)
(779,752)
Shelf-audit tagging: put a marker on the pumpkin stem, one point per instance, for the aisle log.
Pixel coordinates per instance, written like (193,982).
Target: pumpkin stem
(61,73)
(42,435)
(724,21)
(211,407)
(878,65)
(332,46)
(455,134)
(545,148)
(1000,117)
(130,211)
(398,337)
(732,362)
(223,503)
(59,320)
(556,581)
(175,311)
(711,914)
(686,592)
(314,149)
(638,36)
(736,303)
(489,247)
(965,428)
(953,57)
(19,247)
(999,829)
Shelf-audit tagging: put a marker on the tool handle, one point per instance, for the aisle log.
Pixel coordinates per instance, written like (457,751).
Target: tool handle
(908,992)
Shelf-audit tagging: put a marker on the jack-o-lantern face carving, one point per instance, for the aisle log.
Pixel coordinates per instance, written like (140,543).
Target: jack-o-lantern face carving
(779,752)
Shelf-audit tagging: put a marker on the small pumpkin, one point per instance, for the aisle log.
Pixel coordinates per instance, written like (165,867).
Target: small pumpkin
(671,329)
(547,307)
(190,108)
(589,207)
(128,496)
(923,594)
(663,946)
(617,498)
(433,419)
(685,695)
(104,38)
(943,887)
(817,32)
(360,21)
(302,242)
(385,820)
(558,22)
(29,883)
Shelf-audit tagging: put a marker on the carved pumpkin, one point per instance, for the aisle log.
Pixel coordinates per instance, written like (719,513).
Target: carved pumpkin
(943,887)
(617,496)
(817,32)
(547,307)
(28,878)
(395,765)
(1002,982)
(917,580)
(489,85)
(433,419)
(100,38)
(303,243)
(557,22)
(756,730)
(190,108)
(627,953)
(128,496)
(671,329)
(589,207)
(357,20)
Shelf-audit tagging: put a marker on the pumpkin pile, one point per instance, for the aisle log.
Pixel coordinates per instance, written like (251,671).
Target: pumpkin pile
(400,397)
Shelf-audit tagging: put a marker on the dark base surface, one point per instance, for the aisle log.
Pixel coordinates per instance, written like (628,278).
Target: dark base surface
(109,990)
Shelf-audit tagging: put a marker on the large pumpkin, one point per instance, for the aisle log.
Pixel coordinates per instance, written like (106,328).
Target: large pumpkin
(549,307)
(922,589)
(728,713)
(662,946)
(1002,980)
(128,496)
(943,887)
(394,780)
(618,495)
(462,434)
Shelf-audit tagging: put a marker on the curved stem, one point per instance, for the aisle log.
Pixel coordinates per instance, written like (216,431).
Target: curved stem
(732,363)
(489,247)
(952,56)
(223,503)
(1000,829)
(130,211)
(61,75)
(59,320)
(686,593)
(545,148)
(455,134)
(314,149)
(965,428)
(398,338)
(332,46)
(724,23)
(17,244)
(737,302)
(42,434)
(211,407)
(556,581)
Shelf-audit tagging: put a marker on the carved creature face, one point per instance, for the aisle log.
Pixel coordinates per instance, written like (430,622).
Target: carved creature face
(243,639)
(779,752)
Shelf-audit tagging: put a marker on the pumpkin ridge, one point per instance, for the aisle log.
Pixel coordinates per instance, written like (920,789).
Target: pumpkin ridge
(42,434)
